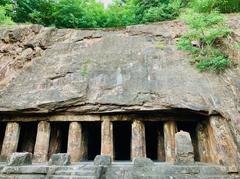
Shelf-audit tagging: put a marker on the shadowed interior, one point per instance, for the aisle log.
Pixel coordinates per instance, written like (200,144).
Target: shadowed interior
(122,140)
(27,137)
(58,138)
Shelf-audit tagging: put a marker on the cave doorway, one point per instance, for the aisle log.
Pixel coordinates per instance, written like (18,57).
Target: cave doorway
(92,132)
(58,138)
(122,140)
(27,138)
(191,128)
(154,141)
(2,133)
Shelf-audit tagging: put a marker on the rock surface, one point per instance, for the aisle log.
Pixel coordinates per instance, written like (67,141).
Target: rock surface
(102,160)
(142,162)
(59,159)
(19,159)
(184,148)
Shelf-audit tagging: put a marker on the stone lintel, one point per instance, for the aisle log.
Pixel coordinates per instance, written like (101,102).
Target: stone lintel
(74,141)
(10,142)
(170,128)
(138,143)
(42,142)
(107,137)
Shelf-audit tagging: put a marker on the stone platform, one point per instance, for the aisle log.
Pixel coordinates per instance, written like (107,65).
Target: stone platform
(118,170)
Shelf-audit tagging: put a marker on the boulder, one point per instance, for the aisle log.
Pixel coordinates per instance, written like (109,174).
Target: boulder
(142,162)
(59,159)
(19,159)
(184,148)
(102,160)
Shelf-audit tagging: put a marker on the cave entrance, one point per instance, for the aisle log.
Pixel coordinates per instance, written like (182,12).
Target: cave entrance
(58,138)
(155,141)
(2,133)
(27,137)
(122,140)
(92,139)
(191,128)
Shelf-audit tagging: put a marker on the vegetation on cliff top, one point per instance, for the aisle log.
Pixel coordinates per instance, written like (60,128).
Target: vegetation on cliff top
(91,14)
(203,39)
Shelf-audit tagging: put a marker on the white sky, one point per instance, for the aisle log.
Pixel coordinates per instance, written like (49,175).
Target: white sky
(106,2)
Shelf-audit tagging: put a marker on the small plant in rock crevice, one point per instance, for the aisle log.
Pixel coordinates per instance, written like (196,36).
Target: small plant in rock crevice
(202,41)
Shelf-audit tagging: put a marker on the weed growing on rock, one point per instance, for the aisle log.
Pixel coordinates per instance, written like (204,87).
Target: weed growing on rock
(202,41)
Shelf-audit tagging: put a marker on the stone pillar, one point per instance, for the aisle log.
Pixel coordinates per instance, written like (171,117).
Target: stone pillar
(138,144)
(203,143)
(42,142)
(84,145)
(170,128)
(107,138)
(74,141)
(10,142)
(160,146)
(223,147)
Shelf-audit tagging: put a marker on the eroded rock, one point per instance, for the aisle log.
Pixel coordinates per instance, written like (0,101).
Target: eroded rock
(142,162)
(19,159)
(59,159)
(184,148)
(102,160)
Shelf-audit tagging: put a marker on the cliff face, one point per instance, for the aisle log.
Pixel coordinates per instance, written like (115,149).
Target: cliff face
(90,71)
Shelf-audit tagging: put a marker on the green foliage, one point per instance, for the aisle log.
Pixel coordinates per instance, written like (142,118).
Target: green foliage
(37,11)
(224,6)
(216,64)
(206,30)
(91,13)
(5,2)
(155,10)
(119,15)
(4,19)
(163,12)
(79,14)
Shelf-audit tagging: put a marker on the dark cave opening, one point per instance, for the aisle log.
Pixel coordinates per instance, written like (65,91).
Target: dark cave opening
(191,128)
(58,138)
(2,133)
(92,130)
(27,137)
(122,140)
(154,141)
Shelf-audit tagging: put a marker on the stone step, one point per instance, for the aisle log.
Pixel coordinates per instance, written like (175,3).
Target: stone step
(70,177)
(178,170)
(75,172)
(186,177)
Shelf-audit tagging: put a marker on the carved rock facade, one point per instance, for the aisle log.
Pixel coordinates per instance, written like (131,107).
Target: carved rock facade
(114,93)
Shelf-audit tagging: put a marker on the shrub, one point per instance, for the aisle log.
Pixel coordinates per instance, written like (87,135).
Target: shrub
(4,19)
(156,10)
(216,64)
(37,11)
(206,31)
(225,6)
(162,12)
(79,14)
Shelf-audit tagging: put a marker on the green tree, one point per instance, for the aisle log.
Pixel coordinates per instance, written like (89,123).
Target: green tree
(79,14)
(37,11)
